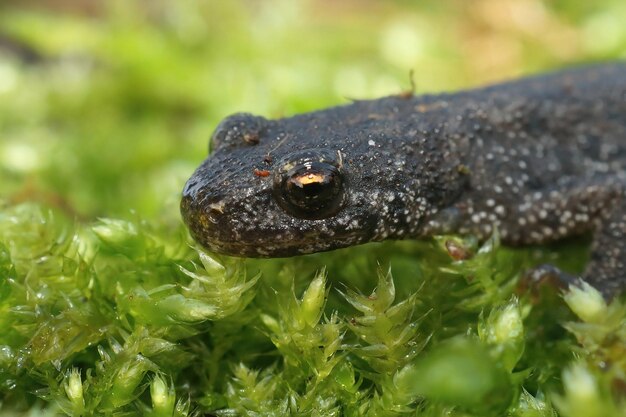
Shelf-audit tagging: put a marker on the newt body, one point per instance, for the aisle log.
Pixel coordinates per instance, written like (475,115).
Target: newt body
(540,158)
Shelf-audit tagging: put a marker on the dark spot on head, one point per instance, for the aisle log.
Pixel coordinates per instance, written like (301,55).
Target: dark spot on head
(251,138)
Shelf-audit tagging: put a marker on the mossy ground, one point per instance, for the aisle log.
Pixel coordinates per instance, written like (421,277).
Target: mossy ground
(107,308)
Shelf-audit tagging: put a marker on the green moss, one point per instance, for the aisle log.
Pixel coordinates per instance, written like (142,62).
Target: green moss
(108,308)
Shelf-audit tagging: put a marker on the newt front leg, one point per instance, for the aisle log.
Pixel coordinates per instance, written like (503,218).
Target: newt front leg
(574,208)
(606,270)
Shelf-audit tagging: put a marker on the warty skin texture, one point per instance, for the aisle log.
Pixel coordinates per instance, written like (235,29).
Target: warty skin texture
(542,158)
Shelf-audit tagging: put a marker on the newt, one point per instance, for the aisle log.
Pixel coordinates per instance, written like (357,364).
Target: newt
(541,159)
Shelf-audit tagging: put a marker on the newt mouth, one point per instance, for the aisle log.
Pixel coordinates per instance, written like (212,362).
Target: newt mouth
(217,229)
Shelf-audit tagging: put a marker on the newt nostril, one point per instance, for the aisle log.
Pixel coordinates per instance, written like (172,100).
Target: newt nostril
(215,210)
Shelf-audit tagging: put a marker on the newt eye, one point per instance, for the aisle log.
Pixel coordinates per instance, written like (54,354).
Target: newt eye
(311,190)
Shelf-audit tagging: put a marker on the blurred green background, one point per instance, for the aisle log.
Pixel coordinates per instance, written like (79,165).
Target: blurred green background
(107,107)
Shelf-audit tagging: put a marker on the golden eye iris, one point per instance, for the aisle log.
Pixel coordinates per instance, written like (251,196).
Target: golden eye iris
(308,178)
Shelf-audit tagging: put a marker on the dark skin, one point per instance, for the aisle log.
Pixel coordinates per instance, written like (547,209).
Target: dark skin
(541,158)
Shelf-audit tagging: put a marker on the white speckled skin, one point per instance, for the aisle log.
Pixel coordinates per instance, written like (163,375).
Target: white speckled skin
(542,158)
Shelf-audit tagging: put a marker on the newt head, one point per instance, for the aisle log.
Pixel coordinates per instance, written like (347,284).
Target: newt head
(303,201)
(325,185)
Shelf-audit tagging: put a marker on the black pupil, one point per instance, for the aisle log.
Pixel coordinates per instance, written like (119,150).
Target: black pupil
(311,190)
